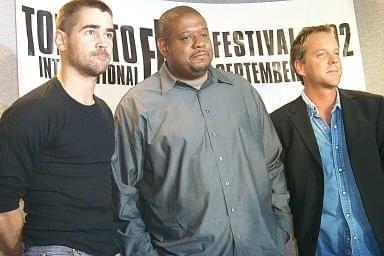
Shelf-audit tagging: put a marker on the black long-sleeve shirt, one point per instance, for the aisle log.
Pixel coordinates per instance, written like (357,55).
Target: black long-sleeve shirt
(55,153)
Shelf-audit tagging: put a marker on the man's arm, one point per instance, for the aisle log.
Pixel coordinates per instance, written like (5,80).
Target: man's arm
(127,166)
(280,194)
(23,131)
(275,168)
(11,224)
(273,153)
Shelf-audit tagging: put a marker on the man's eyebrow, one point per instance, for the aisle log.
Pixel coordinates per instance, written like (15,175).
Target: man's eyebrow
(90,26)
(95,27)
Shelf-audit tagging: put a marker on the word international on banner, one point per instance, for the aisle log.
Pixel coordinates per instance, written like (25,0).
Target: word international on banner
(249,39)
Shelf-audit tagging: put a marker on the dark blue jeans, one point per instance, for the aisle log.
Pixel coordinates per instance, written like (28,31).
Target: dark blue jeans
(52,250)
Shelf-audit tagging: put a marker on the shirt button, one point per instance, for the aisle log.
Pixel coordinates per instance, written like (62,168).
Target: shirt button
(354,238)
(227,183)
(348,215)
(340,170)
(336,147)
(335,126)
(344,192)
(233,209)
(213,134)
(207,111)
(221,158)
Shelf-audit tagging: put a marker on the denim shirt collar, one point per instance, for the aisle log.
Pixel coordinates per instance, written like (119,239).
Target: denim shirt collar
(311,107)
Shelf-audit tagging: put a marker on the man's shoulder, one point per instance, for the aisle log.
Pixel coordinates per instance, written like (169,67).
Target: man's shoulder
(46,92)
(286,108)
(103,105)
(229,77)
(361,104)
(34,102)
(142,94)
(151,84)
(360,95)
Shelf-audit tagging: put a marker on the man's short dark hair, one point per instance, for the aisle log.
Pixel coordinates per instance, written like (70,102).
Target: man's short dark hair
(67,16)
(168,18)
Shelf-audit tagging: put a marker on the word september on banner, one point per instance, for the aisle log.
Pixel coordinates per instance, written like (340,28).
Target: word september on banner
(251,40)
(226,44)
(265,43)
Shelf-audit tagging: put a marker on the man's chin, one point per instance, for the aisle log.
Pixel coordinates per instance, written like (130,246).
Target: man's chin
(335,83)
(96,71)
(201,68)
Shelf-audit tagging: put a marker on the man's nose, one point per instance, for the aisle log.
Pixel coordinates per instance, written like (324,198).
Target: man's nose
(101,40)
(198,41)
(334,58)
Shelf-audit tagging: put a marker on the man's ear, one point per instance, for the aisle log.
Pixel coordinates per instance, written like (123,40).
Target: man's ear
(162,46)
(61,40)
(299,67)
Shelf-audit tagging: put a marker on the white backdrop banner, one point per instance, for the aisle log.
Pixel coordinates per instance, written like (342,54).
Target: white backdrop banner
(249,39)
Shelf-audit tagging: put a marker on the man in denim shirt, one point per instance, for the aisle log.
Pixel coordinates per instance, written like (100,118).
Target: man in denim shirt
(333,142)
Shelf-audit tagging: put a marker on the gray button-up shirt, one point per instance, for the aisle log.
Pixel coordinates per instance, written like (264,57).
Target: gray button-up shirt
(199,171)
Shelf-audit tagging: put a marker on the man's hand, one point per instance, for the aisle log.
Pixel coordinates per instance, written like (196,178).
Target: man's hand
(290,245)
(286,237)
(11,224)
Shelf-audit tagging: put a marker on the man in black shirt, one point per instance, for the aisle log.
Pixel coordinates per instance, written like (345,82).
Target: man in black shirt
(56,145)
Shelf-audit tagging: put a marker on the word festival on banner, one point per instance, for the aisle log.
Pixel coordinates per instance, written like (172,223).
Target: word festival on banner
(226,44)
(276,42)
(255,47)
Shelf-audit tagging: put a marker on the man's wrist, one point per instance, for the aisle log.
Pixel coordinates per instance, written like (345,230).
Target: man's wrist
(287,237)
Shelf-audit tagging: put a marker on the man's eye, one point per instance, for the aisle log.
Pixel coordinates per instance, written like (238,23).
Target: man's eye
(186,38)
(90,32)
(109,35)
(321,55)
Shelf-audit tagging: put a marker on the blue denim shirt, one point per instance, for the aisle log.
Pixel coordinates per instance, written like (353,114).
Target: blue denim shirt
(344,228)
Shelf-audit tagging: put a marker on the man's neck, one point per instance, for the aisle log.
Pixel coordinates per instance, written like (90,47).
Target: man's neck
(196,83)
(78,86)
(324,99)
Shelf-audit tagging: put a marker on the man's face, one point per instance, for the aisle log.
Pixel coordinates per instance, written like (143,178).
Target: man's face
(188,50)
(89,43)
(320,67)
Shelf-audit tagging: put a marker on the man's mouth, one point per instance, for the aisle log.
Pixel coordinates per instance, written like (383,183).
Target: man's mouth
(200,54)
(333,70)
(101,55)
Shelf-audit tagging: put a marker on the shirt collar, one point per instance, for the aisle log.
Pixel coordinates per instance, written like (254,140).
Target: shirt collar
(168,81)
(312,107)
(219,77)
